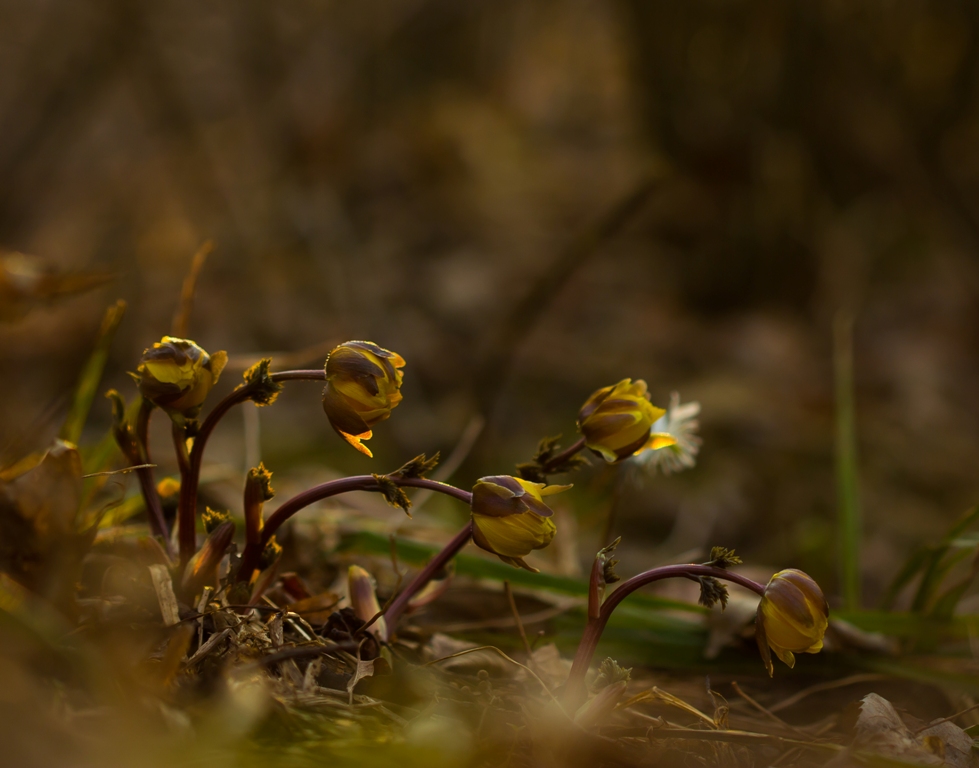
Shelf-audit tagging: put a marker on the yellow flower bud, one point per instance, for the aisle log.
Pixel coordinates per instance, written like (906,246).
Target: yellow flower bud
(616,421)
(168,487)
(363,385)
(258,490)
(177,375)
(792,618)
(363,599)
(510,518)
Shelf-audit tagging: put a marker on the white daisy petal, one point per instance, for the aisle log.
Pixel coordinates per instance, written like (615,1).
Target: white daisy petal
(679,421)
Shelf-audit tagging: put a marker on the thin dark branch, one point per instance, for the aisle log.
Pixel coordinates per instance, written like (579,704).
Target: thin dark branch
(527,313)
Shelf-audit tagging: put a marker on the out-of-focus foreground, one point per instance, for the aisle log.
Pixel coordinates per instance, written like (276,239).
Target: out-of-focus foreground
(528,201)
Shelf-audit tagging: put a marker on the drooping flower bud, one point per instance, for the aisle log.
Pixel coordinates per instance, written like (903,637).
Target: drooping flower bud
(616,421)
(792,618)
(177,375)
(363,385)
(363,599)
(510,518)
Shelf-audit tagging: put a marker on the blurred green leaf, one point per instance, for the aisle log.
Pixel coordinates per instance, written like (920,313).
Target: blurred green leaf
(647,629)
(931,562)
(418,553)
(912,625)
(88,382)
(938,564)
(99,458)
(945,604)
(912,566)
(934,574)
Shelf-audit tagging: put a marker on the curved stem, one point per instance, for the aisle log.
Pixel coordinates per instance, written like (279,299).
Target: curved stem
(252,552)
(684,570)
(574,692)
(436,564)
(188,484)
(147,485)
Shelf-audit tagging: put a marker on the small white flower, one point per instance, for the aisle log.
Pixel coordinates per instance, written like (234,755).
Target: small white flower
(679,422)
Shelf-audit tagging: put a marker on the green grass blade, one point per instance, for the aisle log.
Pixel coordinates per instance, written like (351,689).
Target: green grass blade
(850,522)
(911,568)
(913,626)
(88,382)
(97,457)
(944,604)
(938,564)
(927,560)
(933,576)
(960,526)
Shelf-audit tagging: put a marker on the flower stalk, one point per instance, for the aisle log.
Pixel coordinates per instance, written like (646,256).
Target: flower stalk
(575,693)
(253,550)
(425,575)
(147,484)
(189,482)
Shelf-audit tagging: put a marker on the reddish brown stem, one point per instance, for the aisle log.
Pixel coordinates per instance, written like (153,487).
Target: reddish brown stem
(188,484)
(574,692)
(436,564)
(147,485)
(253,551)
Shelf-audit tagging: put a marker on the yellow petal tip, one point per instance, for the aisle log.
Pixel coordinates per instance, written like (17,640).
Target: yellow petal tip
(355,441)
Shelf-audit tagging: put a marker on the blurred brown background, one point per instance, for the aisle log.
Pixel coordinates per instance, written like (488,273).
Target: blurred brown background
(409,171)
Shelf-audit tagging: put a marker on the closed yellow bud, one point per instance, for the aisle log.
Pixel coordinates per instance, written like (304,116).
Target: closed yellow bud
(363,385)
(510,518)
(792,618)
(616,421)
(177,375)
